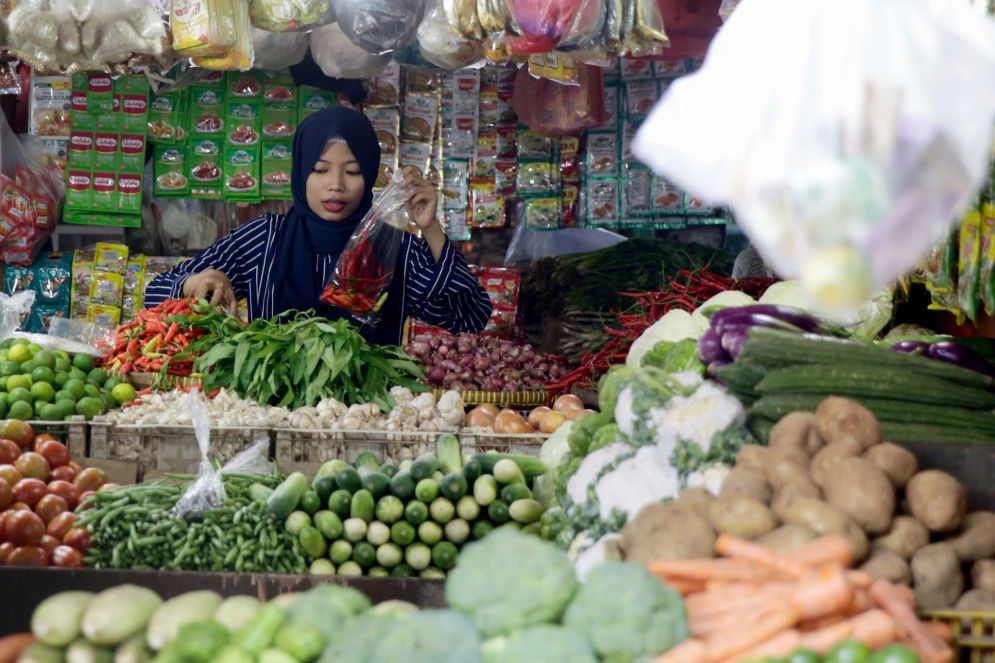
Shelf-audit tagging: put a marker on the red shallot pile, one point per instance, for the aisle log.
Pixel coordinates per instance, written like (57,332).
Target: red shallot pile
(468,362)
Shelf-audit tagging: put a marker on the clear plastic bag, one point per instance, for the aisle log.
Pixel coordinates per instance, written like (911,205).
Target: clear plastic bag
(279,50)
(290,15)
(340,58)
(379,26)
(848,159)
(542,23)
(13,310)
(364,272)
(442,45)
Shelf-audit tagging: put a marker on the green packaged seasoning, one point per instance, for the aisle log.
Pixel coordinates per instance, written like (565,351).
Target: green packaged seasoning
(131,152)
(241,172)
(169,171)
(279,90)
(243,121)
(134,103)
(278,123)
(129,193)
(104,197)
(78,188)
(311,100)
(276,168)
(205,168)
(105,150)
(165,117)
(206,111)
(81,149)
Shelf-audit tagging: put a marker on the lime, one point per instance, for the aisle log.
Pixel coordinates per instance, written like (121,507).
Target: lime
(15,381)
(17,395)
(45,358)
(19,353)
(3,384)
(10,368)
(61,379)
(803,656)
(34,349)
(108,400)
(895,653)
(76,388)
(43,374)
(97,376)
(76,374)
(67,407)
(64,394)
(123,393)
(91,390)
(63,355)
(43,391)
(848,651)
(63,365)
(112,382)
(28,366)
(3,356)
(5,345)
(50,412)
(83,362)
(3,407)
(22,410)
(89,407)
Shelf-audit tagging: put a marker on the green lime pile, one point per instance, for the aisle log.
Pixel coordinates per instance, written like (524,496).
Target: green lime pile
(44,385)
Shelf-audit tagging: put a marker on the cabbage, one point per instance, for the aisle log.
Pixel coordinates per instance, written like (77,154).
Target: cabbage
(674,326)
(726,299)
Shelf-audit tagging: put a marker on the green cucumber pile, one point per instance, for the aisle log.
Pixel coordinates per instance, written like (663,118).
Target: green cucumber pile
(913,397)
(383,520)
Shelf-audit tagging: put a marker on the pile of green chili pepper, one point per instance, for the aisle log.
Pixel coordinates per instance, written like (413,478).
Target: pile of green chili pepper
(133,527)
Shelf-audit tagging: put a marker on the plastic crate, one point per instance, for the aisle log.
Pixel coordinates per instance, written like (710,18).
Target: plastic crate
(316,446)
(974,633)
(528,444)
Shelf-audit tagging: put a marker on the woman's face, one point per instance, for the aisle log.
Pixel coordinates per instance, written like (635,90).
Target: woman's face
(336,186)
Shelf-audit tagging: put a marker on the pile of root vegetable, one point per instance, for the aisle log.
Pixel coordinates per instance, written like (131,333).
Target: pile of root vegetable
(831,473)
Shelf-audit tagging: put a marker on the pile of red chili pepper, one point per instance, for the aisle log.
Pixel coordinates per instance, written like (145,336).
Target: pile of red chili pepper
(688,291)
(154,338)
(361,278)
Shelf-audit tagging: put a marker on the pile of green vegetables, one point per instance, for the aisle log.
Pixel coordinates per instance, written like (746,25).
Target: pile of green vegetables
(299,362)
(381,519)
(133,527)
(512,599)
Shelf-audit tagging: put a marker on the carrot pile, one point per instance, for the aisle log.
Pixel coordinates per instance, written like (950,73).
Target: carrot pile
(154,338)
(755,603)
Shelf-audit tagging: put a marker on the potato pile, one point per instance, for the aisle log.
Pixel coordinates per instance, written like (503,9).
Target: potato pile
(830,473)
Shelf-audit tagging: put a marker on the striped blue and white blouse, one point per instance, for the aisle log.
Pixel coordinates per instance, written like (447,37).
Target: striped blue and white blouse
(443,293)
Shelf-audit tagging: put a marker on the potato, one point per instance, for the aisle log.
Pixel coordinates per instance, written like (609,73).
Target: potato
(862,492)
(905,536)
(797,429)
(698,499)
(661,531)
(976,600)
(784,465)
(936,577)
(740,516)
(824,518)
(983,574)
(751,456)
(787,537)
(747,482)
(839,418)
(825,462)
(885,565)
(897,463)
(937,500)
(976,539)
(800,487)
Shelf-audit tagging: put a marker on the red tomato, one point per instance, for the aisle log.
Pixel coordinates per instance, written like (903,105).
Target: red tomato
(24,528)
(64,473)
(50,543)
(27,556)
(10,474)
(5,549)
(50,506)
(92,478)
(19,506)
(33,465)
(76,466)
(85,494)
(43,437)
(61,524)
(56,453)
(30,491)
(6,494)
(9,451)
(109,486)
(18,431)
(66,491)
(66,556)
(78,538)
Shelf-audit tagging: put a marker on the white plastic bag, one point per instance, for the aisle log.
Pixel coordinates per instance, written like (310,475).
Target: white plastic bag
(278,50)
(13,309)
(340,58)
(442,45)
(845,133)
(379,26)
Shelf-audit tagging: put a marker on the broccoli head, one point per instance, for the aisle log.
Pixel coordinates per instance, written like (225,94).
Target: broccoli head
(430,636)
(545,643)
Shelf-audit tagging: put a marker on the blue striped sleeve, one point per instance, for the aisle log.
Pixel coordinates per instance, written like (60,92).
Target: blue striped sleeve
(444,293)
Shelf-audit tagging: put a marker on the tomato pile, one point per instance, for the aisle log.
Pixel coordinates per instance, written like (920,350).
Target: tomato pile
(40,486)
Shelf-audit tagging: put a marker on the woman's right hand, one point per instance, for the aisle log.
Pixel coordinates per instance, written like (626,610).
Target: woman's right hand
(212,281)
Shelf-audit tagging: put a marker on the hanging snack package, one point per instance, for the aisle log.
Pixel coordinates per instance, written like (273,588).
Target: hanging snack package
(203,28)
(542,213)
(986,278)
(841,170)
(110,258)
(205,168)
(311,100)
(165,113)
(290,15)
(487,205)
(106,289)
(239,55)
(169,170)
(365,271)
(241,172)
(134,271)
(968,266)
(602,203)
(276,165)
(103,315)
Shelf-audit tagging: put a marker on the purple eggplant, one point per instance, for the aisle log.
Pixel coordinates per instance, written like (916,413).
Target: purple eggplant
(710,348)
(734,339)
(753,320)
(745,314)
(954,353)
(713,368)
(910,346)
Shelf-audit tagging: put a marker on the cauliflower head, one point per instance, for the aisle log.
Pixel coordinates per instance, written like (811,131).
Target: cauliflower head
(430,636)
(546,643)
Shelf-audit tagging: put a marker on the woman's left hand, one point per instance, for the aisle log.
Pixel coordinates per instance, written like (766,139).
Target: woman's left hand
(423,201)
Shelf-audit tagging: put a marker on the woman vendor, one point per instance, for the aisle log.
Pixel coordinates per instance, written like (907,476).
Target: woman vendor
(282,262)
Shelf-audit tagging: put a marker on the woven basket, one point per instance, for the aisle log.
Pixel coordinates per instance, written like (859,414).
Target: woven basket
(502,398)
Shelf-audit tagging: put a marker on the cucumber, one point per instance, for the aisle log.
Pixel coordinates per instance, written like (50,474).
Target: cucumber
(447,449)
(323,485)
(426,490)
(310,503)
(441,510)
(340,503)
(177,611)
(362,505)
(364,554)
(39,653)
(118,613)
(444,555)
(295,522)
(377,483)
(402,533)
(377,533)
(533,529)
(457,531)
(84,651)
(402,485)
(260,493)
(416,513)
(56,620)
(497,512)
(507,471)
(389,555)
(525,511)
(530,467)
(472,470)
(480,529)
(389,509)
(321,567)
(287,496)
(258,634)
(433,573)
(467,508)
(389,469)
(348,479)
(312,542)
(237,611)
(341,551)
(424,466)
(453,486)
(135,651)
(367,459)
(515,491)
(485,489)
(429,532)
(402,570)
(350,568)
(378,572)
(354,530)
(331,468)
(418,556)
(329,524)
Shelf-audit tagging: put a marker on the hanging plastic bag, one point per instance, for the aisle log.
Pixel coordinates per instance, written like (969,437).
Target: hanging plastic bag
(365,270)
(290,15)
(442,45)
(14,309)
(553,109)
(848,159)
(379,26)
(587,30)
(240,54)
(541,23)
(279,50)
(340,58)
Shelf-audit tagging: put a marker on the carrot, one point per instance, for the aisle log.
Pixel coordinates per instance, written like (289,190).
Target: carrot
(706,604)
(942,630)
(859,579)
(12,646)
(689,651)
(710,569)
(822,640)
(905,593)
(824,594)
(725,644)
(875,628)
(705,625)
(686,586)
(732,546)
(776,646)
(832,549)
(928,645)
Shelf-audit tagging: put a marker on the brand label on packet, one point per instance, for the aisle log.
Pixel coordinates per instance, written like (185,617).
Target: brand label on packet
(78,191)
(81,149)
(104,197)
(129,193)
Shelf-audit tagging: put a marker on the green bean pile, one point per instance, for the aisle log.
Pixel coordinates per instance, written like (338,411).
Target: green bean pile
(133,527)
